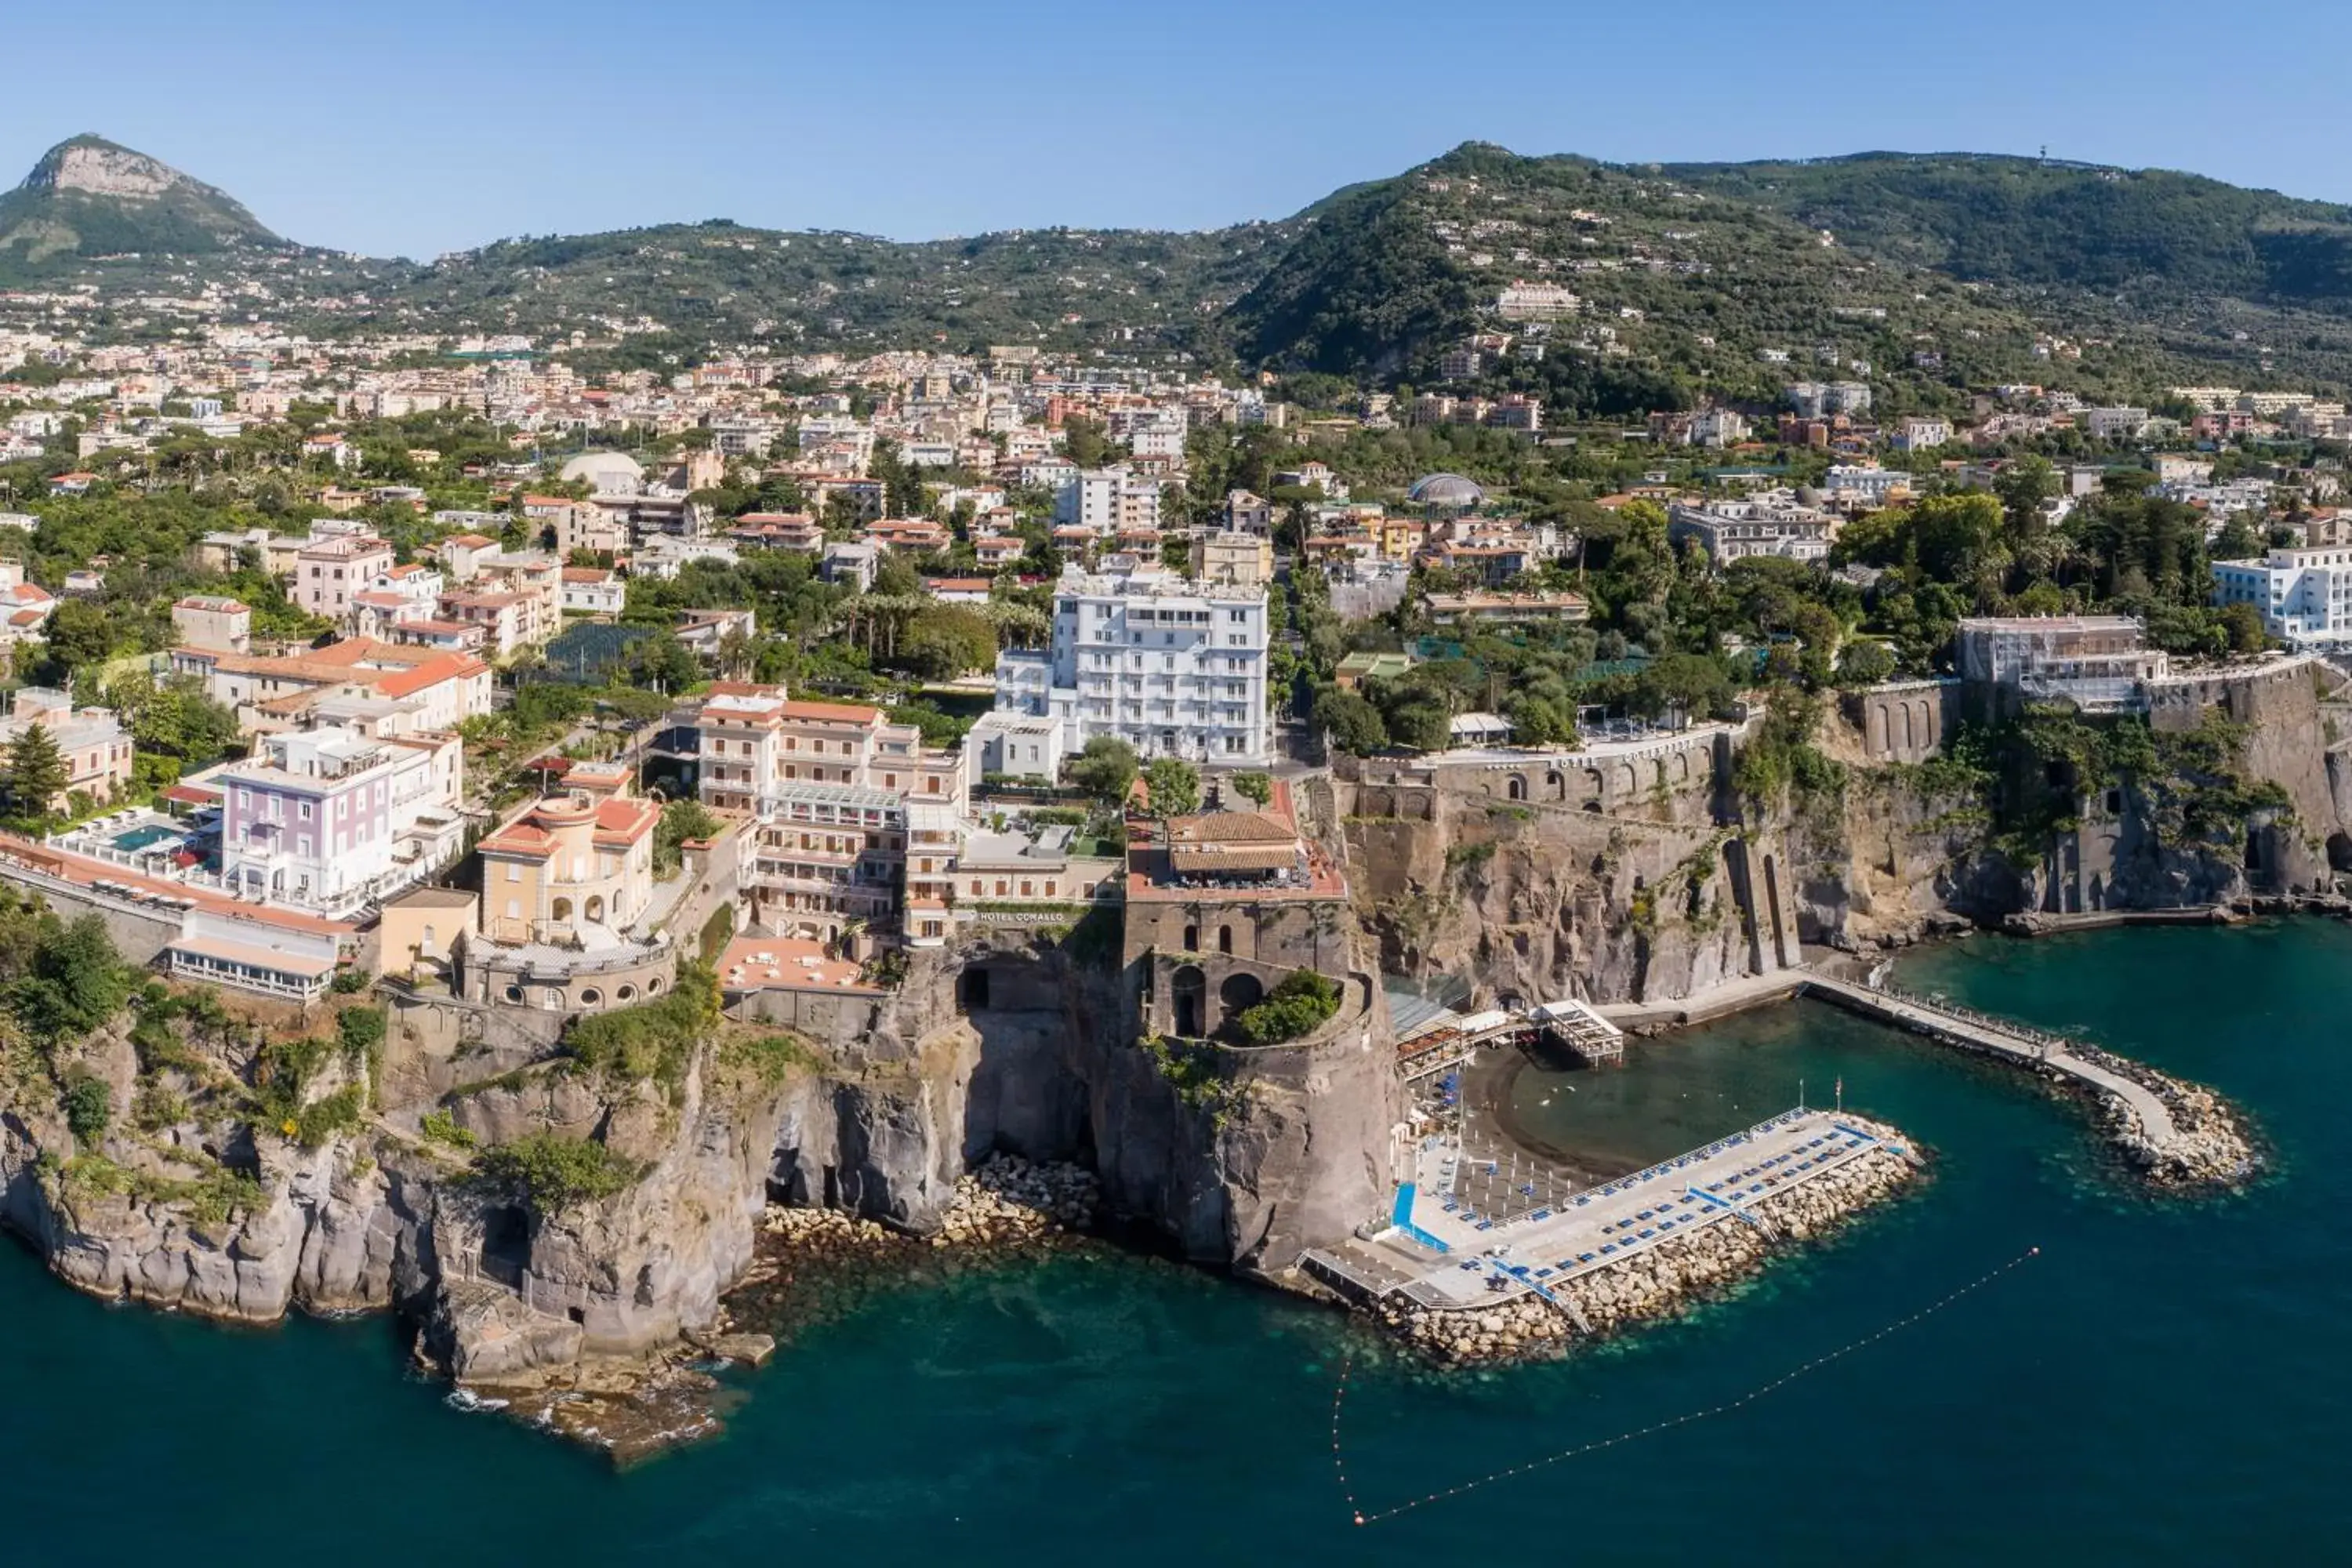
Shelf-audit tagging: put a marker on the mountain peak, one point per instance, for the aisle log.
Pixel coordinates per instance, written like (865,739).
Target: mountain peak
(93,164)
(90,197)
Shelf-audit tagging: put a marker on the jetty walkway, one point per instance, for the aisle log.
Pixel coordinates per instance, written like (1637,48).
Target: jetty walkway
(1963,1027)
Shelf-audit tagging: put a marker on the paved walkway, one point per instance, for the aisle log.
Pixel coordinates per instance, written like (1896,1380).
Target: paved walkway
(1448,1255)
(1989,1035)
(1708,1001)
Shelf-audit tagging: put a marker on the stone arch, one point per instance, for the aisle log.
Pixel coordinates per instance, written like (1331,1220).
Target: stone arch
(1625,782)
(1875,742)
(1682,767)
(1237,994)
(1595,784)
(1556,783)
(551,998)
(560,911)
(1191,943)
(1517,786)
(1187,1001)
(1910,740)
(1226,940)
(593,911)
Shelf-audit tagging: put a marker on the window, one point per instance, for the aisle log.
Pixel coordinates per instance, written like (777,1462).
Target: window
(306,810)
(514,872)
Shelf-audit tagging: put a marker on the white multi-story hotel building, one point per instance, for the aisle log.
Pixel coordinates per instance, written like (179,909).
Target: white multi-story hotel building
(2304,595)
(1171,666)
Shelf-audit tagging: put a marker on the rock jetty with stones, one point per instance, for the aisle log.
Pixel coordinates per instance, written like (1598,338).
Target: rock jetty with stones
(1659,1280)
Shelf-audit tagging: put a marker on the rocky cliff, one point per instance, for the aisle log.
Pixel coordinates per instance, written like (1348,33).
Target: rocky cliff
(251,1165)
(1652,891)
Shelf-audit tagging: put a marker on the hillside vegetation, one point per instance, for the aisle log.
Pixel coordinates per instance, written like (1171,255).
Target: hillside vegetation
(1939,273)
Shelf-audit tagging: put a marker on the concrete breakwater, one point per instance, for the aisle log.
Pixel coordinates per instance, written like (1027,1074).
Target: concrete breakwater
(2177,1134)
(1660,1279)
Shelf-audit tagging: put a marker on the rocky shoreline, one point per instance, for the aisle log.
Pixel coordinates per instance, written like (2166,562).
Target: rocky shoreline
(1660,1281)
(811,1267)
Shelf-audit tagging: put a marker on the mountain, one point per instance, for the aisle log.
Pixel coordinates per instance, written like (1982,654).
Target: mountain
(88,197)
(1938,271)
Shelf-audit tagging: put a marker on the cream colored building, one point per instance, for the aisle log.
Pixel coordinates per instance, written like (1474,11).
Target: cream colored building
(1243,559)
(576,869)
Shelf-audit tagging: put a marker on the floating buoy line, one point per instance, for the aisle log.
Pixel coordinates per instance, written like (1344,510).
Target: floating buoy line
(1364,1516)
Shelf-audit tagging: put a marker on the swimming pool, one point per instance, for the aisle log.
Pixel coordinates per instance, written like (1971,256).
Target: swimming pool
(140,838)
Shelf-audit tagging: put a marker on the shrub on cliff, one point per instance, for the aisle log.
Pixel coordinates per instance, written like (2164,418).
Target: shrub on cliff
(1300,1003)
(551,1173)
(76,981)
(88,1107)
(653,1041)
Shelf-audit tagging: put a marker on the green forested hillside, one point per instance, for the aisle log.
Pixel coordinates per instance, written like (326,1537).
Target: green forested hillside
(1935,274)
(724,283)
(2023,221)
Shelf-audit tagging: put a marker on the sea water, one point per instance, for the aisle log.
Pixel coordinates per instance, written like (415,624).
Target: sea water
(2165,1381)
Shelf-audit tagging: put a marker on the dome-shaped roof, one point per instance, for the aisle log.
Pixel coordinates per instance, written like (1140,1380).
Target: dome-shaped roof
(607,473)
(1446,489)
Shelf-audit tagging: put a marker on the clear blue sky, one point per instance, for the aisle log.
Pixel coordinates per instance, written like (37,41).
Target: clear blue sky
(431,125)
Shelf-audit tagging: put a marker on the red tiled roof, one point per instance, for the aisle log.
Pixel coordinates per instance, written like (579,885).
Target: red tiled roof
(831,712)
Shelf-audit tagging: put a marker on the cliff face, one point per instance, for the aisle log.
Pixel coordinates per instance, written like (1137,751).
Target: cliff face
(1538,900)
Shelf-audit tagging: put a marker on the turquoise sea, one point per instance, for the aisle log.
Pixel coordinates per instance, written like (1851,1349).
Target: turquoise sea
(2164,1384)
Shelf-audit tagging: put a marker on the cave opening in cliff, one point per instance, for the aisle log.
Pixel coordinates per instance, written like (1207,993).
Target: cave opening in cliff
(506,1243)
(972,990)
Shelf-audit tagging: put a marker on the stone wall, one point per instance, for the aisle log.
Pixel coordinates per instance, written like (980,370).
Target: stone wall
(1903,720)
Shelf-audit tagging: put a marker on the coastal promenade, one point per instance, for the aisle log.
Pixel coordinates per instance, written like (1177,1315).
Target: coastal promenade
(1443,1253)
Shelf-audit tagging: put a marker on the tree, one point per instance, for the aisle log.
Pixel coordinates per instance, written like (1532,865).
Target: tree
(1691,682)
(681,820)
(1350,722)
(1255,787)
(78,981)
(1105,768)
(1865,663)
(2244,625)
(1175,786)
(664,664)
(943,642)
(77,636)
(37,772)
(1299,1004)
